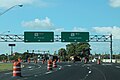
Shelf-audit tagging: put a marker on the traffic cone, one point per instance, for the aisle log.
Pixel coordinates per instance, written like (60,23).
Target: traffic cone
(16,69)
(49,65)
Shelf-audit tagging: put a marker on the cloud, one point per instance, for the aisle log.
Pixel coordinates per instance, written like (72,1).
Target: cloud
(8,3)
(115,31)
(39,24)
(79,29)
(59,29)
(115,3)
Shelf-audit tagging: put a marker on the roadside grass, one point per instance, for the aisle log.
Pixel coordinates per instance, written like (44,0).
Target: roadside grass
(5,66)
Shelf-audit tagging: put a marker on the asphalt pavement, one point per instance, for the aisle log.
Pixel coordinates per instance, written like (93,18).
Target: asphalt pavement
(66,71)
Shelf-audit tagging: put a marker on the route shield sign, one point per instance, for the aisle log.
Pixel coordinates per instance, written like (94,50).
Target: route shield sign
(74,36)
(38,36)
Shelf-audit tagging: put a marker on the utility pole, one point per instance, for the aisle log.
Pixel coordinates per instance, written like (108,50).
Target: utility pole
(111,51)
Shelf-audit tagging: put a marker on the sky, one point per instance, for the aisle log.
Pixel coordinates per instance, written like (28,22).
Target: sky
(98,17)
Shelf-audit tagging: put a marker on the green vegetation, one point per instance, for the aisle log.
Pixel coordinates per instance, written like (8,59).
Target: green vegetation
(75,49)
(5,66)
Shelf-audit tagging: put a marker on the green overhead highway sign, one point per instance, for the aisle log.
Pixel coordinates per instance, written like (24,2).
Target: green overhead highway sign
(74,36)
(38,36)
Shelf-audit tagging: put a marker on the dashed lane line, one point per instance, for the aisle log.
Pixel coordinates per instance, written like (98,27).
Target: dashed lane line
(90,72)
(68,65)
(8,73)
(107,64)
(49,72)
(117,67)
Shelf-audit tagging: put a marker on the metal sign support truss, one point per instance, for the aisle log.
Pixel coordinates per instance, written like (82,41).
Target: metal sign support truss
(57,38)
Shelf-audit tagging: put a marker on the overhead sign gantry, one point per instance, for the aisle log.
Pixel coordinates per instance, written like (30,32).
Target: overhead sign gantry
(64,37)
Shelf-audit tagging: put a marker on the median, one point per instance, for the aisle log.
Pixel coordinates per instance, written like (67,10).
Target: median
(6,66)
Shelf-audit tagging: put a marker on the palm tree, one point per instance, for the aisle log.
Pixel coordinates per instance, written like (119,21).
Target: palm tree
(62,53)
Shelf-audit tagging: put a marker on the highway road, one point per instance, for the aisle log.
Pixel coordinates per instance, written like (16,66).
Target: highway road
(66,71)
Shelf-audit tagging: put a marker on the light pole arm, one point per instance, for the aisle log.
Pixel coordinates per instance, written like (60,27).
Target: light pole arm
(10,9)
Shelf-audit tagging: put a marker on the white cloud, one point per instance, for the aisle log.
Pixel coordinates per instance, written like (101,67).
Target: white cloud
(115,31)
(115,3)
(59,29)
(39,24)
(9,3)
(80,29)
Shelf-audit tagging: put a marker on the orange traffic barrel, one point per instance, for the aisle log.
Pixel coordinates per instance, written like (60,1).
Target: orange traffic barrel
(35,60)
(16,69)
(98,61)
(54,64)
(49,65)
(85,61)
(19,59)
(43,61)
(28,60)
(58,60)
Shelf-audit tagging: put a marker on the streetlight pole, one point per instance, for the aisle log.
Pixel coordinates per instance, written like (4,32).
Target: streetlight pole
(111,51)
(10,9)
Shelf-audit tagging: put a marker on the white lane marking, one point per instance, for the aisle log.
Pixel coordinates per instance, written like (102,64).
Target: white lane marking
(107,64)
(86,75)
(88,68)
(89,72)
(60,67)
(101,73)
(39,67)
(86,65)
(117,66)
(35,75)
(22,66)
(30,69)
(68,65)
(8,73)
(48,72)
(25,78)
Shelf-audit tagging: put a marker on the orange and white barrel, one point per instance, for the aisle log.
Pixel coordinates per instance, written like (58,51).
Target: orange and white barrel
(28,60)
(16,69)
(54,64)
(49,65)
(19,59)
(58,60)
(98,61)
(85,61)
(43,61)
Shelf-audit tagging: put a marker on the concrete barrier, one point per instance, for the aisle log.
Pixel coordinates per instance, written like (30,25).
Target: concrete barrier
(109,60)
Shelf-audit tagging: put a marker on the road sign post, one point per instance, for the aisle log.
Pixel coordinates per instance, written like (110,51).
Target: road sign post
(38,36)
(74,36)
(11,45)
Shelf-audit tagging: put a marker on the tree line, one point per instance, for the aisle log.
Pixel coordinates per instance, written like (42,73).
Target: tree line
(75,49)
